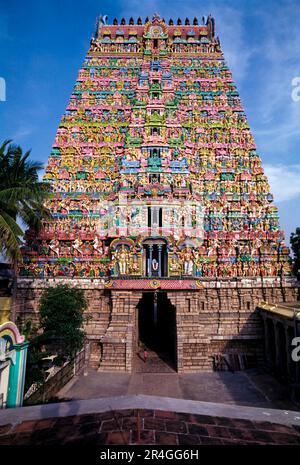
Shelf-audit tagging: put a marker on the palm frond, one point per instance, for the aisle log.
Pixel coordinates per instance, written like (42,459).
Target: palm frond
(22,196)
(10,233)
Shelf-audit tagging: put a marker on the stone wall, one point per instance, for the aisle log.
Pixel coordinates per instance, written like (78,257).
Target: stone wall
(218,317)
(56,382)
(5,309)
(29,292)
(5,298)
(222,320)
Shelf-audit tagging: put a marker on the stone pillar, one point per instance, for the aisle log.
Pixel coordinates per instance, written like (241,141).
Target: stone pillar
(277,348)
(281,358)
(87,351)
(150,260)
(17,376)
(159,260)
(297,334)
(179,343)
(131,340)
(271,364)
(118,341)
(192,343)
(288,353)
(267,342)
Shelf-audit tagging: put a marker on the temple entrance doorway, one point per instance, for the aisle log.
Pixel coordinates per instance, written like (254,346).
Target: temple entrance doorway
(156,332)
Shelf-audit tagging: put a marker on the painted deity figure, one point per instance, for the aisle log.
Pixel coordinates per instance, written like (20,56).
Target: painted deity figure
(77,246)
(134,264)
(187,259)
(175,265)
(122,258)
(97,245)
(54,246)
(154,266)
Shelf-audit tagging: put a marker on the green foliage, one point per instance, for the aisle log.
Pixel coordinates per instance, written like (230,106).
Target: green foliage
(61,318)
(35,372)
(60,332)
(26,328)
(295,244)
(21,197)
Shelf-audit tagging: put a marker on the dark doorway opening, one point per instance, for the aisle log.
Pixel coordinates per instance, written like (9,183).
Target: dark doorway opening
(157,327)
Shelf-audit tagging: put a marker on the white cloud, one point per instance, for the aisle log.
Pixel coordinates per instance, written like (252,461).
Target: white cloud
(284,181)
(234,41)
(280,134)
(22,132)
(229,25)
(277,125)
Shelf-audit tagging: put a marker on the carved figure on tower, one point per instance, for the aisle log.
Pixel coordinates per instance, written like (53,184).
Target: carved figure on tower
(187,259)
(155,118)
(122,257)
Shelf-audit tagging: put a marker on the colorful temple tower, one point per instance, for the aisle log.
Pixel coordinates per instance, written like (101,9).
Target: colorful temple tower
(160,206)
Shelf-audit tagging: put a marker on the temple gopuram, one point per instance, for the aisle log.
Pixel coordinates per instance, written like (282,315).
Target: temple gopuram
(160,208)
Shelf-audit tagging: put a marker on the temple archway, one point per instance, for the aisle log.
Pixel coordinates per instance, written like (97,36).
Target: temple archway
(156,327)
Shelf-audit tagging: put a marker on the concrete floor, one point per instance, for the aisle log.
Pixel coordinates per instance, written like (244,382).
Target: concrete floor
(250,388)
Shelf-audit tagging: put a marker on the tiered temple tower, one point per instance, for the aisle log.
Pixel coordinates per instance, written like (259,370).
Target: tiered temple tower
(160,206)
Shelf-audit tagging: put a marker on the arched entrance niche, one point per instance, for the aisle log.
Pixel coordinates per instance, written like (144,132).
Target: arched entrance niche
(155,257)
(13,353)
(156,326)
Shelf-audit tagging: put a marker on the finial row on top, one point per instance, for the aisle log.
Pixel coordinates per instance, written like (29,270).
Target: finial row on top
(139,22)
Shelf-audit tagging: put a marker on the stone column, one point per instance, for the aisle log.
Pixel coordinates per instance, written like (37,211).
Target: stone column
(277,348)
(118,341)
(87,353)
(159,260)
(297,334)
(288,353)
(150,260)
(132,329)
(267,343)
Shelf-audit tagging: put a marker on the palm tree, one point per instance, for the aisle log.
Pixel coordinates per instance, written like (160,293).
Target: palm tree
(21,197)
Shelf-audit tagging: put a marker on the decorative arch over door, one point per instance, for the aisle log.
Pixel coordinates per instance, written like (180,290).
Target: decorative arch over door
(13,352)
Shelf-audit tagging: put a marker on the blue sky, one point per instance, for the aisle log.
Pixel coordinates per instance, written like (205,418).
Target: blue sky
(43,44)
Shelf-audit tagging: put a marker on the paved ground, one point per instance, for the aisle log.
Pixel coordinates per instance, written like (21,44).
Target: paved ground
(147,427)
(155,363)
(251,388)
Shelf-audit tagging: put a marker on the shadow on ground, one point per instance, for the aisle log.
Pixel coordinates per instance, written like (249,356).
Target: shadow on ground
(252,387)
